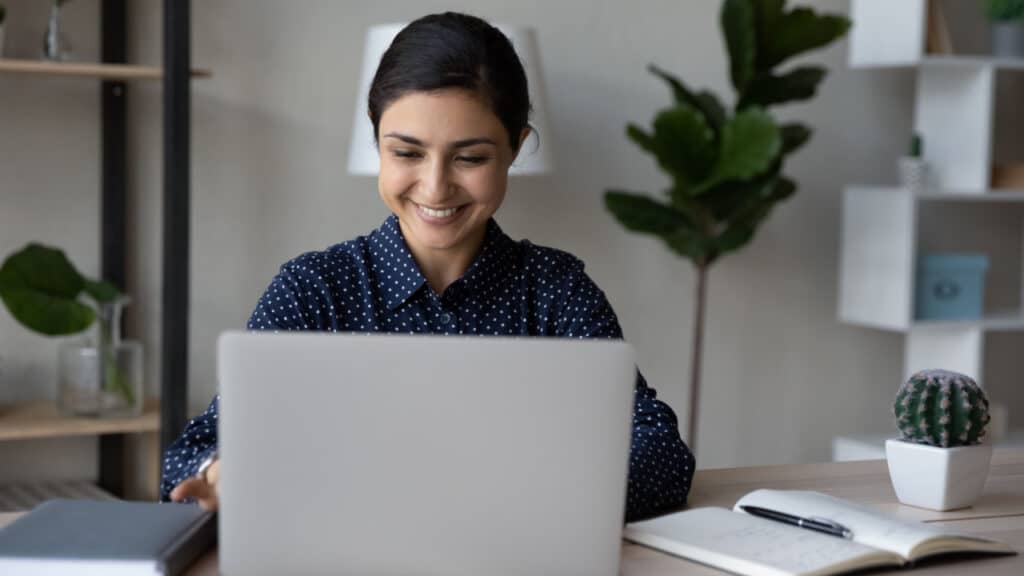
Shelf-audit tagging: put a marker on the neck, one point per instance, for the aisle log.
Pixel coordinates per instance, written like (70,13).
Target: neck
(441,267)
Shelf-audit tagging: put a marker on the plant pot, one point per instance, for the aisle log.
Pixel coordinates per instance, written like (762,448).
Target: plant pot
(937,478)
(913,173)
(1008,40)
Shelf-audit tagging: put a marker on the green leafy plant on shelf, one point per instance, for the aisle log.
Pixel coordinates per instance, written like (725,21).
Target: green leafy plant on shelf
(43,291)
(726,165)
(1006,10)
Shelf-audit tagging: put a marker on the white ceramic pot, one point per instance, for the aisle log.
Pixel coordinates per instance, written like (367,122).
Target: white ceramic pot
(937,478)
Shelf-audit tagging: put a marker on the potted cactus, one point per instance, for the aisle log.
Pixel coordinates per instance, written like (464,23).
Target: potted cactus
(941,460)
(913,167)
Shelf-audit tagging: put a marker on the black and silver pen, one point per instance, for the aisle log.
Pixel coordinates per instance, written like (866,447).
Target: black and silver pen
(819,524)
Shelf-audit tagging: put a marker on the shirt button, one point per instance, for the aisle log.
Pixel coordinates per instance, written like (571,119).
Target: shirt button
(445,318)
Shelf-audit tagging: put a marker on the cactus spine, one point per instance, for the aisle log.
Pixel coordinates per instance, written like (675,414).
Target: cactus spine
(941,408)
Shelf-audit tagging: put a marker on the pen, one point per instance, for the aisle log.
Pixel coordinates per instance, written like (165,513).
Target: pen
(819,524)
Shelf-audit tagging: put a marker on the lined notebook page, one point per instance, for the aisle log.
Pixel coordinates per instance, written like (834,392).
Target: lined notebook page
(749,545)
(869,527)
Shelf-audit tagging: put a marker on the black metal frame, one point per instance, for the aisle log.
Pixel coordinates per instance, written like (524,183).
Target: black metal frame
(174,341)
(113,232)
(176,123)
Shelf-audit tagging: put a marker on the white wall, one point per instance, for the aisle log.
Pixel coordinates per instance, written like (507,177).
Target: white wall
(270,132)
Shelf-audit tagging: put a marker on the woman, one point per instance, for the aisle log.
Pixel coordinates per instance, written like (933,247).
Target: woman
(449,106)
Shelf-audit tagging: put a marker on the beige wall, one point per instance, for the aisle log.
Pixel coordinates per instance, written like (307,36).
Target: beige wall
(270,133)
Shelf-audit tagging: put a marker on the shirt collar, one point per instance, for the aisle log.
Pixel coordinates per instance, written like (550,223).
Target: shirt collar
(399,277)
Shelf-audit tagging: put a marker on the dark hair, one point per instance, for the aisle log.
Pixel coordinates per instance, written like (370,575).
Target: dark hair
(453,50)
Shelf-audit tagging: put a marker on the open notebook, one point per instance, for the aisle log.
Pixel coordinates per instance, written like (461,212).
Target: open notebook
(738,542)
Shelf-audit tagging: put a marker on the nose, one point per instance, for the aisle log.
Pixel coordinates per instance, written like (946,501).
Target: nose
(436,182)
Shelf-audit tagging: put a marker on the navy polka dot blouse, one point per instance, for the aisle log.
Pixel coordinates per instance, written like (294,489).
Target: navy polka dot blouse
(372,284)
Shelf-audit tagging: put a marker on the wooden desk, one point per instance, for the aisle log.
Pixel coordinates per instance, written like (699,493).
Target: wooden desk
(999,514)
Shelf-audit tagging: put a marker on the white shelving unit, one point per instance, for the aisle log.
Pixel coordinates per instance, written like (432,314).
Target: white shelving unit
(885,229)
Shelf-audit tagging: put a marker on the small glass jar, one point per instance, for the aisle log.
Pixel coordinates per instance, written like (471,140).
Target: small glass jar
(102,376)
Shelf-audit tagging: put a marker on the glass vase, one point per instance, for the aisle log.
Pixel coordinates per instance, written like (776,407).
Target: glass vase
(101,377)
(55,45)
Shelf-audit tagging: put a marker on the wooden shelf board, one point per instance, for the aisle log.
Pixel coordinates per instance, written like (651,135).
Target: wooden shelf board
(42,420)
(88,69)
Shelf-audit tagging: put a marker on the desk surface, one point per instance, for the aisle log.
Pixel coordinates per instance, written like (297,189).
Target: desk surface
(999,514)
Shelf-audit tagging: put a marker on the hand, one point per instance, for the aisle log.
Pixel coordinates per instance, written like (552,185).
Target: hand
(204,491)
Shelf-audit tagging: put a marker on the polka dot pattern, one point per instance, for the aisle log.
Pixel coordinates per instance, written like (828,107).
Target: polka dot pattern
(372,284)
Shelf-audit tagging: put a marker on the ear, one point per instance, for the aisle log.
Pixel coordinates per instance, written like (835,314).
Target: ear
(523,135)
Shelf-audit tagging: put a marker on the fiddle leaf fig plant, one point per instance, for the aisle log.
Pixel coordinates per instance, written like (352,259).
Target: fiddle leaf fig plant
(726,164)
(43,291)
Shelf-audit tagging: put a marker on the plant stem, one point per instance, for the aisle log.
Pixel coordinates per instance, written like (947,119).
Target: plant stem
(695,364)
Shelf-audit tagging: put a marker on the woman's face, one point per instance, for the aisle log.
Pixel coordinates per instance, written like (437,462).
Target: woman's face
(444,160)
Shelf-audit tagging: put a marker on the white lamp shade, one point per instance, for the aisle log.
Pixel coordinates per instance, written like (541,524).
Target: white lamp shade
(363,158)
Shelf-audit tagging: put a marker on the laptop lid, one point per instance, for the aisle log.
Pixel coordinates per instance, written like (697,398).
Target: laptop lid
(387,454)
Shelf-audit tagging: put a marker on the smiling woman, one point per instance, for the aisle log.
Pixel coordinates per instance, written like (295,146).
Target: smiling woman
(450,108)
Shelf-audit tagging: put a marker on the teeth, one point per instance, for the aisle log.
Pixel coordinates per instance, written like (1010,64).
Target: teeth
(438,213)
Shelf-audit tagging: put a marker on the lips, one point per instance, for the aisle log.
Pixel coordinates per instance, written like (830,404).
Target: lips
(439,216)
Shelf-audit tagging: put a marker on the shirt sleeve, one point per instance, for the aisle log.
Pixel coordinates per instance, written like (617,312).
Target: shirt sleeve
(183,457)
(661,466)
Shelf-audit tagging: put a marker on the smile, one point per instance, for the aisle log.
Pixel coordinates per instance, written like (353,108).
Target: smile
(438,216)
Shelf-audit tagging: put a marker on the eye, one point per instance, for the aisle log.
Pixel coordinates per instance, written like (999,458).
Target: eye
(472,159)
(406,154)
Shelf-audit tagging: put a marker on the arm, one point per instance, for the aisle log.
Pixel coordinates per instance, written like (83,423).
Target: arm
(182,459)
(660,465)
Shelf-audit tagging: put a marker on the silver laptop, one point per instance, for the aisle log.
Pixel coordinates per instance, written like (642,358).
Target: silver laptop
(386,454)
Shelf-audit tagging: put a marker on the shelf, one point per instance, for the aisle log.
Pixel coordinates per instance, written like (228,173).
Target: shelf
(983,196)
(26,496)
(1010,321)
(88,69)
(41,420)
(973,61)
(979,196)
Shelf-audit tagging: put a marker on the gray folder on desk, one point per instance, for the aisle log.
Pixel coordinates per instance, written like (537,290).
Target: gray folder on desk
(106,537)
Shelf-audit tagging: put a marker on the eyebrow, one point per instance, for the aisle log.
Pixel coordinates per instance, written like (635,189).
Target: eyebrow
(457,144)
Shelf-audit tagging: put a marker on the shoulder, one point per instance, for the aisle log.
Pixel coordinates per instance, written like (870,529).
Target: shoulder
(549,264)
(334,263)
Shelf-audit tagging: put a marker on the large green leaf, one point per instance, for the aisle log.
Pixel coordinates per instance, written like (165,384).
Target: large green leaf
(47,314)
(102,291)
(40,287)
(793,137)
(740,229)
(738,25)
(769,89)
(795,32)
(706,102)
(640,213)
(750,145)
(690,243)
(682,142)
(42,269)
